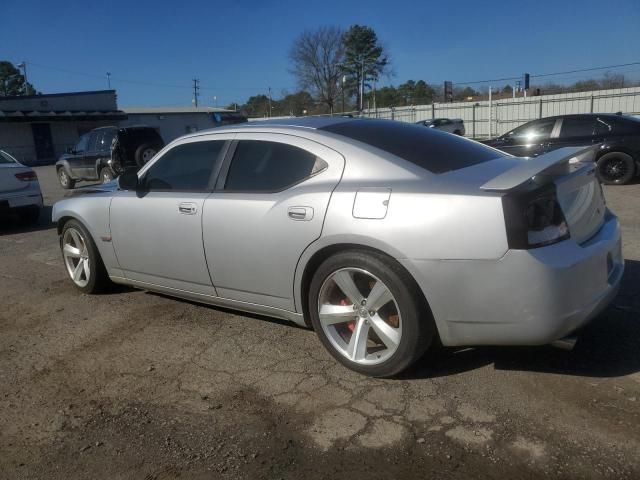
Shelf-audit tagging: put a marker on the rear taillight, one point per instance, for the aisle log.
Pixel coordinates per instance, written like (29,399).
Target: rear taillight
(27,176)
(534,218)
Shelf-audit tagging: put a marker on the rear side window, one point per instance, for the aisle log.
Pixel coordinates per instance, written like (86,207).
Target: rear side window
(104,144)
(577,127)
(259,166)
(435,151)
(186,168)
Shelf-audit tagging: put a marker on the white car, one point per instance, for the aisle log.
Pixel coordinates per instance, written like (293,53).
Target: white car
(19,190)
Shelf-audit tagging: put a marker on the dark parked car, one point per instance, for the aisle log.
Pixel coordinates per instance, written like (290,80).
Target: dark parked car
(618,159)
(451,125)
(104,153)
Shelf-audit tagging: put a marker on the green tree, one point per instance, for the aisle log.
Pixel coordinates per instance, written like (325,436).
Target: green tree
(316,57)
(507,89)
(12,81)
(256,106)
(364,56)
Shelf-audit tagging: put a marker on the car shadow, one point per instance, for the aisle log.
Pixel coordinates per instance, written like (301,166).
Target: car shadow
(608,347)
(11,224)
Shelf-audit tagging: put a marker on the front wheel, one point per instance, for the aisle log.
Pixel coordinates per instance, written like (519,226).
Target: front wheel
(82,259)
(616,168)
(369,314)
(65,180)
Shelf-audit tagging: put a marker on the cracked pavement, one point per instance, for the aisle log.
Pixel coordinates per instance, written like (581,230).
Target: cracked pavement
(134,384)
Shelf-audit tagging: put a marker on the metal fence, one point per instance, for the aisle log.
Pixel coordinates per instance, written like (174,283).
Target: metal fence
(489,119)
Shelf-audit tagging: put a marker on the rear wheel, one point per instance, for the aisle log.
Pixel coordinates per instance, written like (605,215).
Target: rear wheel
(82,260)
(65,180)
(458,132)
(616,168)
(368,313)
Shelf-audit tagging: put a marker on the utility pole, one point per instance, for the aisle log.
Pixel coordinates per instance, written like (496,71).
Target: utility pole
(23,66)
(269,102)
(109,80)
(196,88)
(490,112)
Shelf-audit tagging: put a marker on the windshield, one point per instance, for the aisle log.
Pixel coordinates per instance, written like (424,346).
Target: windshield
(6,158)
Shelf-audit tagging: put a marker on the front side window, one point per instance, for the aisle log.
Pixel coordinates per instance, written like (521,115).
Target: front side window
(93,141)
(187,168)
(577,127)
(259,166)
(533,132)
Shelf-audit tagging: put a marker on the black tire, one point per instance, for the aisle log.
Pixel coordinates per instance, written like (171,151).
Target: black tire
(106,175)
(418,326)
(457,132)
(144,153)
(616,168)
(98,280)
(65,179)
(29,215)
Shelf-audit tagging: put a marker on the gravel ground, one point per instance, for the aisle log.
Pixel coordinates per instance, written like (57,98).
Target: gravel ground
(137,385)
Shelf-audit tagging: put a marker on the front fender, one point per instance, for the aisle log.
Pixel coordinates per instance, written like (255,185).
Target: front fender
(92,210)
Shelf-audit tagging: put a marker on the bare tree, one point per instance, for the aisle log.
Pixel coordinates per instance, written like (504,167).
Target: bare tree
(317,57)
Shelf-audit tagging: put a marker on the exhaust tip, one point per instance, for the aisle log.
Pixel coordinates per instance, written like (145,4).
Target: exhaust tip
(566,343)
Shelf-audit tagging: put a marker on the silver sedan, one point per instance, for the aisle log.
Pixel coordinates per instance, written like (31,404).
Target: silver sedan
(383,237)
(19,190)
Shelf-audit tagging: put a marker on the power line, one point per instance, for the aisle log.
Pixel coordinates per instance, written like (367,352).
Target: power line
(539,75)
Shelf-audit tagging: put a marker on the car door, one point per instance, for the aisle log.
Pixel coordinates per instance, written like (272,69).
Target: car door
(528,140)
(269,205)
(76,159)
(91,155)
(157,230)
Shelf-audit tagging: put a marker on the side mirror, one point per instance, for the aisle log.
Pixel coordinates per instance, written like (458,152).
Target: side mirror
(128,180)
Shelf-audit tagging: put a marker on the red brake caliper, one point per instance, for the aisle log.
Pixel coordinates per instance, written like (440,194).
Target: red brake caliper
(352,324)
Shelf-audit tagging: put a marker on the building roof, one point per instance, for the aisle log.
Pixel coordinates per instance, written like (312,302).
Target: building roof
(37,115)
(171,110)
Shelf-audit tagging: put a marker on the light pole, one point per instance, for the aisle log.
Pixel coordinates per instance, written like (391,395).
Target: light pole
(109,80)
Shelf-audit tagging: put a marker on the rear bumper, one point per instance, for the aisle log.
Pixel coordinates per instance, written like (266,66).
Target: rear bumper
(25,198)
(528,297)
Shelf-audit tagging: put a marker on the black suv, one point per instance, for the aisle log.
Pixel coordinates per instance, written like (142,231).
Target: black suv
(619,135)
(104,153)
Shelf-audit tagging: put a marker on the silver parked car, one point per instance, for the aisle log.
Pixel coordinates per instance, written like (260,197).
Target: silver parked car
(384,237)
(19,190)
(451,125)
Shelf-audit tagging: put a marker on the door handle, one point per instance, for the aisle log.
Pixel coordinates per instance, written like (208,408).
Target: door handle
(187,208)
(300,213)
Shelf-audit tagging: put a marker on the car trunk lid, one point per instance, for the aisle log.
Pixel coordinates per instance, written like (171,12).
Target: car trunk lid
(578,190)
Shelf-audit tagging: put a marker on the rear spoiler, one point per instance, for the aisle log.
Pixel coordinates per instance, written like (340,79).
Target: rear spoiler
(539,165)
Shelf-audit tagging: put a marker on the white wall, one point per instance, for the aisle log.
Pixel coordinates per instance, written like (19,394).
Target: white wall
(508,113)
(171,125)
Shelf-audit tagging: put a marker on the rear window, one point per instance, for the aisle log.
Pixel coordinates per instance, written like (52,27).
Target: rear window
(6,158)
(435,151)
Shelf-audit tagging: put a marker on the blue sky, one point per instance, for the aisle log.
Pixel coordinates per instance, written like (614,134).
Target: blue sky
(239,48)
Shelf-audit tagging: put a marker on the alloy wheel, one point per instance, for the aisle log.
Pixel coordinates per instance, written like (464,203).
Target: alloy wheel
(76,257)
(614,170)
(360,316)
(64,178)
